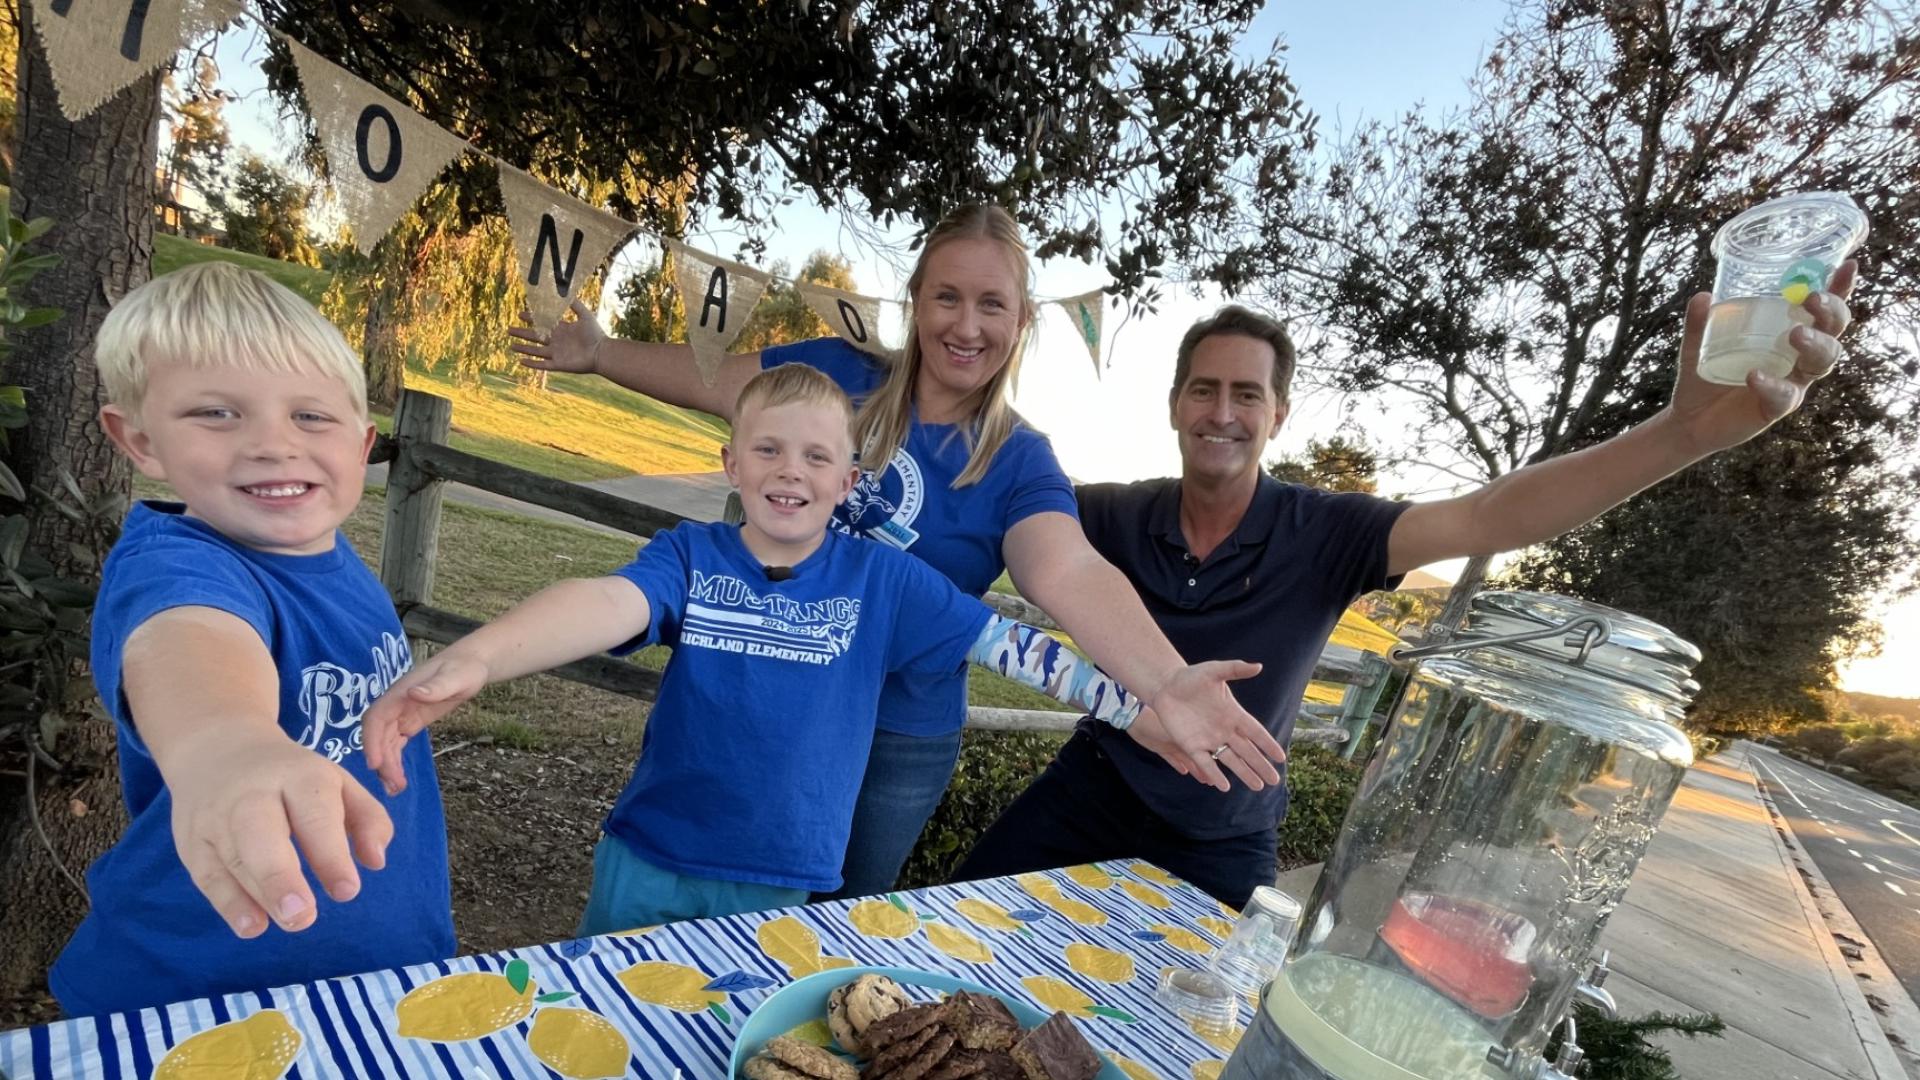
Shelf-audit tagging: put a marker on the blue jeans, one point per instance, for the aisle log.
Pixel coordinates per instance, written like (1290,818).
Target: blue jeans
(630,892)
(906,777)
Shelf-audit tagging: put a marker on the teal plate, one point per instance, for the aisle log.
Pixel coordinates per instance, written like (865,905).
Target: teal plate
(805,1000)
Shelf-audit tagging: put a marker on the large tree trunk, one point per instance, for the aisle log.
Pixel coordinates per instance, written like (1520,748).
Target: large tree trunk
(1472,576)
(95,179)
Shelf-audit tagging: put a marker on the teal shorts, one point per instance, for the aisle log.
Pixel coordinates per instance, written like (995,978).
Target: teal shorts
(630,892)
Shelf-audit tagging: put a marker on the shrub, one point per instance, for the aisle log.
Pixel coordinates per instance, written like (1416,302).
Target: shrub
(1823,741)
(1320,785)
(995,767)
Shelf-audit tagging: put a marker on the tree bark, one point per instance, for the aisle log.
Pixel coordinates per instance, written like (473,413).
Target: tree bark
(1472,576)
(95,179)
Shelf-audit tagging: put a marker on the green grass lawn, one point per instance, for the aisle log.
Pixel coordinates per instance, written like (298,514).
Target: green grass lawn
(171,252)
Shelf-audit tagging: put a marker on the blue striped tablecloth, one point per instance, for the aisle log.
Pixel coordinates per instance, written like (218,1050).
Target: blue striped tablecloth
(347,1027)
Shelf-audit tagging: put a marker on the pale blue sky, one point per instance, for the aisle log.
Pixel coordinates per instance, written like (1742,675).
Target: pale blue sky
(1353,61)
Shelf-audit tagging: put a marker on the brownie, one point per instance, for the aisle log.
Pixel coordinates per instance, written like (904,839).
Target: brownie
(902,1050)
(999,1065)
(1056,1051)
(887,1030)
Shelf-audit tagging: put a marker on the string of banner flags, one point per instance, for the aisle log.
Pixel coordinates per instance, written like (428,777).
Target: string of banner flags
(382,156)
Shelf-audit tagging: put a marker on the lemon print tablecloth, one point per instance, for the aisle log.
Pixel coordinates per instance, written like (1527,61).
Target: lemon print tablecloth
(1086,940)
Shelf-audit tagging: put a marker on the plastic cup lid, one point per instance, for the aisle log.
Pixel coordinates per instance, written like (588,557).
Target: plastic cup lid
(1824,225)
(1274,902)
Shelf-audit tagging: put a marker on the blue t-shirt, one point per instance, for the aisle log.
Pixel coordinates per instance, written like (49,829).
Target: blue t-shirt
(1271,593)
(914,506)
(151,938)
(754,752)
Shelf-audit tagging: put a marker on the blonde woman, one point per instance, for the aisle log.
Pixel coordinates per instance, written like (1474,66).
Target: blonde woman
(952,475)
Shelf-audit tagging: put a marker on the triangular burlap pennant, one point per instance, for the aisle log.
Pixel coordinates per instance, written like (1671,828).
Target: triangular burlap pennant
(1085,311)
(381,154)
(851,315)
(559,240)
(96,48)
(719,295)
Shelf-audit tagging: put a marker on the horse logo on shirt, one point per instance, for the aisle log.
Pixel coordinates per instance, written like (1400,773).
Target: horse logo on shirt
(883,505)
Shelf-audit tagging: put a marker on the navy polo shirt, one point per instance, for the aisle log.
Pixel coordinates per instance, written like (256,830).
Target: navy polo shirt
(1272,593)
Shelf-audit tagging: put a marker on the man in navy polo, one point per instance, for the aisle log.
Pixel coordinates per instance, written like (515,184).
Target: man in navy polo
(1232,563)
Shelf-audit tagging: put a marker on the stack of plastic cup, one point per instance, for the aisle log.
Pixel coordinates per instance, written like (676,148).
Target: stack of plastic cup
(1257,949)
(1771,258)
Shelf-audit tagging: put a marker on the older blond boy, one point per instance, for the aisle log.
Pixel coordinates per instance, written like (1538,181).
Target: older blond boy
(237,641)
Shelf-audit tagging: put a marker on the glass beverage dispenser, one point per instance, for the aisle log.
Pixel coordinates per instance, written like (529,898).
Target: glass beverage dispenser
(1522,774)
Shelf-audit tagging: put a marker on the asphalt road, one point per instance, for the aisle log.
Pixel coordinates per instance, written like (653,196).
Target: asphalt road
(1867,845)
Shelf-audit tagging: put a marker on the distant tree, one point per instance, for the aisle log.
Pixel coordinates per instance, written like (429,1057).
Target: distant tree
(1335,465)
(197,134)
(264,210)
(1519,271)
(782,316)
(9,83)
(649,306)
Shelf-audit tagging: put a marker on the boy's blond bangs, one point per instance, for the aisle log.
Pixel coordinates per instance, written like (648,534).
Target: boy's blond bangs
(794,384)
(215,314)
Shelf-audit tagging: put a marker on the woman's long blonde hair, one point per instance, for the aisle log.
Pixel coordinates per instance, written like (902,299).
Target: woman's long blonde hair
(881,426)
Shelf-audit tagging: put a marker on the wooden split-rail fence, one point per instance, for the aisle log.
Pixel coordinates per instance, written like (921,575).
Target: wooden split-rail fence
(420,464)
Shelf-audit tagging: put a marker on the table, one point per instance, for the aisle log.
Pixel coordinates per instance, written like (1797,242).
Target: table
(1090,940)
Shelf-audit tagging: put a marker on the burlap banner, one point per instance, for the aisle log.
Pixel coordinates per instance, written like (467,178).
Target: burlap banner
(719,295)
(559,240)
(380,153)
(1085,311)
(97,48)
(851,315)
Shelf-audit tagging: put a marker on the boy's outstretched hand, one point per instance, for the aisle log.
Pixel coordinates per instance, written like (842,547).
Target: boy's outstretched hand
(240,802)
(430,691)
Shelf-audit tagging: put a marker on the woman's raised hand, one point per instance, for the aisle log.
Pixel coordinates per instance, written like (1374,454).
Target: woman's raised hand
(571,345)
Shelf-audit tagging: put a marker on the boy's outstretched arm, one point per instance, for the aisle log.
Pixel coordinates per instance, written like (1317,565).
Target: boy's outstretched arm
(560,624)
(205,698)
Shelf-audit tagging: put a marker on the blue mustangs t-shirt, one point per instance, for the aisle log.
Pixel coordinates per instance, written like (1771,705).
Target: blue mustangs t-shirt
(754,752)
(151,937)
(914,506)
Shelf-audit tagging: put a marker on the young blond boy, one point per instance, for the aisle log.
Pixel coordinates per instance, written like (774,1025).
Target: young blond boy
(237,641)
(783,632)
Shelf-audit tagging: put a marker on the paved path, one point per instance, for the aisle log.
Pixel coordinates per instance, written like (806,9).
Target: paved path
(1868,848)
(1720,920)
(701,496)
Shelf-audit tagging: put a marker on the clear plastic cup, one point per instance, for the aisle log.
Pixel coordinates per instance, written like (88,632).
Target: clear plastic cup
(1771,257)
(1201,998)
(1257,948)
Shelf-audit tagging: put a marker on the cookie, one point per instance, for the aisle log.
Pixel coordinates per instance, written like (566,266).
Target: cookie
(959,1065)
(983,1022)
(841,1024)
(906,1023)
(871,998)
(901,1050)
(808,1059)
(762,1067)
(931,1054)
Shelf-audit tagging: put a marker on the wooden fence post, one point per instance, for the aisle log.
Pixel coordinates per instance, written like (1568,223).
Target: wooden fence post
(412,536)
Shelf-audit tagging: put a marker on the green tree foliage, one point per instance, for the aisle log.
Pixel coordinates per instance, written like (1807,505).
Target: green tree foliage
(1518,272)
(648,305)
(1123,129)
(9,83)
(265,212)
(782,316)
(197,135)
(1619,1048)
(1339,464)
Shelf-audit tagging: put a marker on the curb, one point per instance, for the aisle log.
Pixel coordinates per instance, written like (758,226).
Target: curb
(1829,920)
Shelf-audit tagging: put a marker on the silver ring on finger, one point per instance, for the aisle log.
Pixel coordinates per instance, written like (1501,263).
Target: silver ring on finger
(1224,747)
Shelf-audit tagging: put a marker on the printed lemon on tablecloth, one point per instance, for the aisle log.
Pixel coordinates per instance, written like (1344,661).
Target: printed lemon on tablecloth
(1047,891)
(889,918)
(796,947)
(1090,876)
(1097,963)
(1208,1069)
(468,1005)
(1227,911)
(261,1047)
(684,989)
(1219,928)
(1183,939)
(958,944)
(815,1032)
(1147,894)
(1133,1069)
(1067,998)
(578,1044)
(1156,875)
(987,914)
(1223,1041)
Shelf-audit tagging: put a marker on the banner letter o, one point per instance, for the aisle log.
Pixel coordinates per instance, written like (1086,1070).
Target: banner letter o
(387,171)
